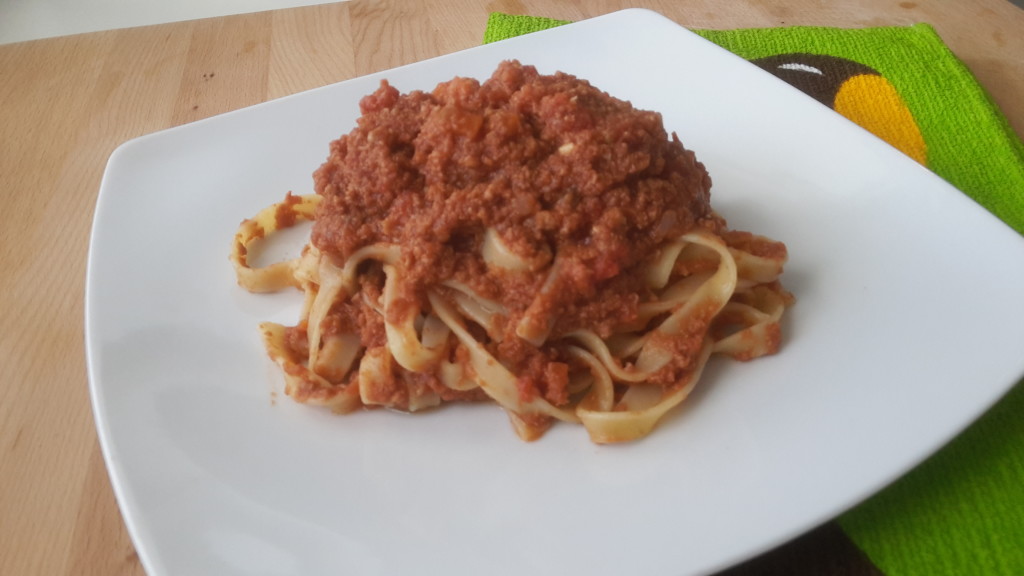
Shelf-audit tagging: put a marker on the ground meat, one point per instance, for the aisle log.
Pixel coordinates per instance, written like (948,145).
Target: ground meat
(551,163)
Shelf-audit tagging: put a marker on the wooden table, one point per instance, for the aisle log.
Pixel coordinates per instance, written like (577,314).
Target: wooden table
(66,103)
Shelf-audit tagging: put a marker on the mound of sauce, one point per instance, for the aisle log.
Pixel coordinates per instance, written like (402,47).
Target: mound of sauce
(579,184)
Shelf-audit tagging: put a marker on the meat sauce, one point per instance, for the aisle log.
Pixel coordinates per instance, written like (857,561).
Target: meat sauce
(562,171)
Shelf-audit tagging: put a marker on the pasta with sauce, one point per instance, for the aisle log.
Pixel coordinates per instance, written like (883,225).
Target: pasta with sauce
(529,240)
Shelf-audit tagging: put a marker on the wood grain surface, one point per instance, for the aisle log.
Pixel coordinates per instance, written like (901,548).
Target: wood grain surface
(66,103)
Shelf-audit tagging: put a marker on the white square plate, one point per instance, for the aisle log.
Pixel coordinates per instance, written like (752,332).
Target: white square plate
(908,325)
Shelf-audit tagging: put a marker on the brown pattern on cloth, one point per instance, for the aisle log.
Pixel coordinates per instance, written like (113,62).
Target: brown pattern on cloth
(817,75)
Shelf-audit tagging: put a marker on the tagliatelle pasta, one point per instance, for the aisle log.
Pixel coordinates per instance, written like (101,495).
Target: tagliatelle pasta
(530,241)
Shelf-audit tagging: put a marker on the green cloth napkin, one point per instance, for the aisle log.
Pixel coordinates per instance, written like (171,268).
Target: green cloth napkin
(962,511)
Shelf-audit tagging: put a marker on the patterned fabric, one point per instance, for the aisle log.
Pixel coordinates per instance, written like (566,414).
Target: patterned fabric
(962,511)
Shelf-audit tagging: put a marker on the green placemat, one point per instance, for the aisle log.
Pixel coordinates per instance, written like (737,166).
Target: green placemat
(962,511)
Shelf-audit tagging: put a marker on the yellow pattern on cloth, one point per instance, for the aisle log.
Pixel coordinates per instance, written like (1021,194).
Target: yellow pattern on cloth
(872,102)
